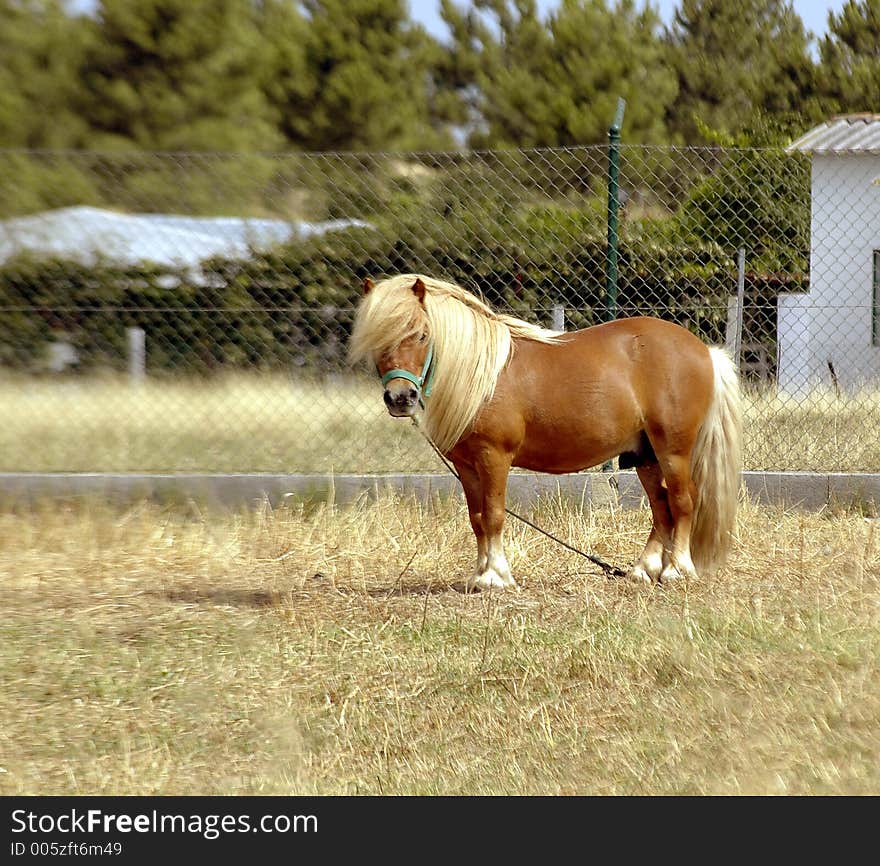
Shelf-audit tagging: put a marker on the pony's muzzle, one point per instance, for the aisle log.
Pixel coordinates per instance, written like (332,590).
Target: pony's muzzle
(401,400)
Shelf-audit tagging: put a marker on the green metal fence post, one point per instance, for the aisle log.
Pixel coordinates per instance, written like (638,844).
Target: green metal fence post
(613,205)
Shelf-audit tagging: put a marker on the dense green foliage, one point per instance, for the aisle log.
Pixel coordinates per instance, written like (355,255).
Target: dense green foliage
(260,75)
(237,90)
(528,82)
(177,75)
(734,58)
(42,52)
(293,304)
(850,58)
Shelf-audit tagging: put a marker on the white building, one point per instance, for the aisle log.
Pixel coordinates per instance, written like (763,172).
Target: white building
(836,325)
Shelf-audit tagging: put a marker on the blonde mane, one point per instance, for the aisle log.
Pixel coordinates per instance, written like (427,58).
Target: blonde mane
(472,344)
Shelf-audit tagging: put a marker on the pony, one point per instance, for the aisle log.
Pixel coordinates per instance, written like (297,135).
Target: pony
(495,392)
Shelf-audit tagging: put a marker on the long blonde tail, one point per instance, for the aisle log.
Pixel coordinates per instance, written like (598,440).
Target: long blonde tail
(716,468)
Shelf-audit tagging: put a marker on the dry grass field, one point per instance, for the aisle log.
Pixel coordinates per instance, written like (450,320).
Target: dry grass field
(322,649)
(251,423)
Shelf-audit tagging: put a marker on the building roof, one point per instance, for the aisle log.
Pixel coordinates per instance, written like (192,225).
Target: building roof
(89,234)
(850,133)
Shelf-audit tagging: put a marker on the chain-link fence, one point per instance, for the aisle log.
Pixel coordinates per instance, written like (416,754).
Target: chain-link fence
(182,312)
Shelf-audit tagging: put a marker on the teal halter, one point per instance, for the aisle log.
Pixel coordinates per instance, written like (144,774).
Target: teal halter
(423,382)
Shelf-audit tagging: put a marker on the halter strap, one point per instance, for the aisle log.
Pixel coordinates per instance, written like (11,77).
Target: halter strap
(424,382)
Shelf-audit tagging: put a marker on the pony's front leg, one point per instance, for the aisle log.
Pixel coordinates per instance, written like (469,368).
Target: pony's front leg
(473,494)
(493,469)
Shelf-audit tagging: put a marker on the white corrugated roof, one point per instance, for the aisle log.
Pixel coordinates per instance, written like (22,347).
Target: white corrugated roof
(851,133)
(88,234)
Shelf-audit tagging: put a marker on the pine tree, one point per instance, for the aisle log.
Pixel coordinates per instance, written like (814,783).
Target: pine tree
(734,58)
(502,62)
(850,59)
(531,83)
(368,71)
(40,48)
(177,75)
(288,81)
(604,52)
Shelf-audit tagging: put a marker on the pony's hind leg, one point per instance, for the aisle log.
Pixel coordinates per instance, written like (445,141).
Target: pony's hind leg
(681,494)
(650,563)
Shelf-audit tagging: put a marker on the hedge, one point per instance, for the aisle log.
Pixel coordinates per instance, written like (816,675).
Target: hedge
(294,305)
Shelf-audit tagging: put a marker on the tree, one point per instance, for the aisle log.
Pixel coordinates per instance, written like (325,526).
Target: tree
(534,84)
(40,48)
(757,197)
(733,58)
(849,69)
(604,52)
(177,75)
(502,58)
(287,79)
(366,83)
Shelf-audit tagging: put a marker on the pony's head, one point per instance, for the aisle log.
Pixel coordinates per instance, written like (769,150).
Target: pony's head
(430,338)
(399,343)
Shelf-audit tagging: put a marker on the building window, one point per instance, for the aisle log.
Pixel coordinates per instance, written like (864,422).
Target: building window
(875,307)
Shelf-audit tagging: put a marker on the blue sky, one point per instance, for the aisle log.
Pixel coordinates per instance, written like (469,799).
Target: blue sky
(814,13)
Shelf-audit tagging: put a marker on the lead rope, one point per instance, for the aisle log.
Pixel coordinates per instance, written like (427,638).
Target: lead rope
(611,571)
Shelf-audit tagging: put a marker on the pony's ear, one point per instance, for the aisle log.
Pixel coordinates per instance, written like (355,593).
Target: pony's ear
(419,290)
(367,284)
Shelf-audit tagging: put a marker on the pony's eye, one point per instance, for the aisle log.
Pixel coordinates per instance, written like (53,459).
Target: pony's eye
(423,338)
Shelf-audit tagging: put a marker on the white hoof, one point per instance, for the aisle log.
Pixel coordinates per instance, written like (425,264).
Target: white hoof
(488,580)
(673,572)
(637,574)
